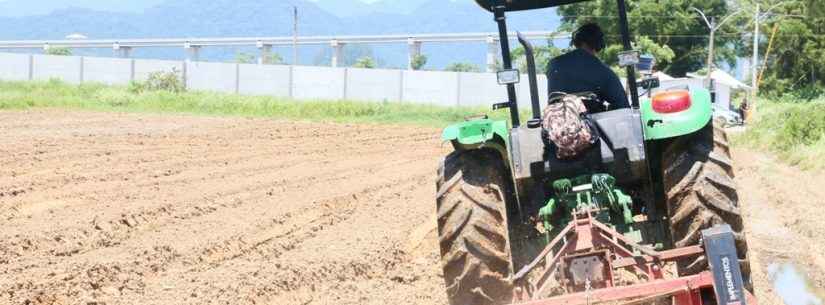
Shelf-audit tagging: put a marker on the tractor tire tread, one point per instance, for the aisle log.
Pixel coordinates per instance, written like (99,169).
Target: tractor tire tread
(472,227)
(701,193)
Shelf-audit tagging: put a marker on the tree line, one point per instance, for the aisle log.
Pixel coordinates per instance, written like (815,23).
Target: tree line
(791,41)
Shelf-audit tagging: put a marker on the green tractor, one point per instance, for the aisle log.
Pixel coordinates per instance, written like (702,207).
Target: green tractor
(659,176)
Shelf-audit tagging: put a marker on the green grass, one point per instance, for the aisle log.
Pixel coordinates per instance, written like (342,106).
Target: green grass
(792,129)
(25,95)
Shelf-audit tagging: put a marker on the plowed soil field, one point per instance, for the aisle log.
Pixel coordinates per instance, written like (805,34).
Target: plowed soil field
(109,208)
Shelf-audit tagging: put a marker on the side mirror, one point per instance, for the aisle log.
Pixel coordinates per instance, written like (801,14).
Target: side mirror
(506,77)
(629,58)
(646,64)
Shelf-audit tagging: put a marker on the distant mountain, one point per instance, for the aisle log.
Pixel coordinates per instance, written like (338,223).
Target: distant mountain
(346,8)
(177,18)
(407,6)
(355,8)
(227,18)
(19,8)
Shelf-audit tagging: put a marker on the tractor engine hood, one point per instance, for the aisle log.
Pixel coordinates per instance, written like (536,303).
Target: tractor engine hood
(521,5)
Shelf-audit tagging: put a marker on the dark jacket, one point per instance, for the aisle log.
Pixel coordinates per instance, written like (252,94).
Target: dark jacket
(579,71)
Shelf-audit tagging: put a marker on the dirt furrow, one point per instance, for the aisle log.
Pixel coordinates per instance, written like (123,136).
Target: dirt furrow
(167,176)
(127,269)
(166,209)
(126,221)
(112,238)
(112,227)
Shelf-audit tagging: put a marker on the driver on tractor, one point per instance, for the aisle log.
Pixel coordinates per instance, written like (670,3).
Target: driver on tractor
(580,71)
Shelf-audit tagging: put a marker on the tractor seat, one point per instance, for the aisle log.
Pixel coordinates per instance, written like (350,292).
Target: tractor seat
(619,150)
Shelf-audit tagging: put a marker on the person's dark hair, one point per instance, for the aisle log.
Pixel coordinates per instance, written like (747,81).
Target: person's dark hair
(591,35)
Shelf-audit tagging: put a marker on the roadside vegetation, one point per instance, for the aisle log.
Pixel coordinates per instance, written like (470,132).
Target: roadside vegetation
(59,51)
(57,94)
(462,67)
(792,127)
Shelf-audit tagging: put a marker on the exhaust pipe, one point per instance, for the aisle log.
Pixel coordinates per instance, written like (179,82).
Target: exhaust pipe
(531,75)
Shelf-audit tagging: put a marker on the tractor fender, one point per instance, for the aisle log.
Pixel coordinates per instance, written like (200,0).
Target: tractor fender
(482,133)
(670,125)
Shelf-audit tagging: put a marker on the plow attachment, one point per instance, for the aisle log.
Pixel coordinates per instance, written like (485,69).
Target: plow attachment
(590,263)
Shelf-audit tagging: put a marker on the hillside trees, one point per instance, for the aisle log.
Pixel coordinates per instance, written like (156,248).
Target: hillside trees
(815,8)
(666,25)
(796,61)
(543,55)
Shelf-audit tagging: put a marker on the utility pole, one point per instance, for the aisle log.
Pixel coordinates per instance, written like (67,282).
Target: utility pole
(757,17)
(713,27)
(294,35)
(755,61)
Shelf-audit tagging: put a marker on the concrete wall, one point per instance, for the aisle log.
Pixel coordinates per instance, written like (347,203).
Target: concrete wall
(318,83)
(111,71)
(264,80)
(523,92)
(374,85)
(66,68)
(14,66)
(144,67)
(439,88)
(207,76)
(300,82)
(481,89)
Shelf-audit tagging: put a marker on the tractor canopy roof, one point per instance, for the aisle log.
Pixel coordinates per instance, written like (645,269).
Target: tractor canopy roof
(520,5)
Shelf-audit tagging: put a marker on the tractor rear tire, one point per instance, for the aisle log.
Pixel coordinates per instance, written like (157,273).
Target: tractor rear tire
(472,228)
(701,193)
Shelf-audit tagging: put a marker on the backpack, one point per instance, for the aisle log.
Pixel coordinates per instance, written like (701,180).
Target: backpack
(566,127)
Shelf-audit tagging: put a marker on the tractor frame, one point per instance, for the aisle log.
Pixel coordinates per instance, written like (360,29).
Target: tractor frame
(633,153)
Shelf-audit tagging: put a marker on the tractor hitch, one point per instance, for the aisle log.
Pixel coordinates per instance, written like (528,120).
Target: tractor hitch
(591,263)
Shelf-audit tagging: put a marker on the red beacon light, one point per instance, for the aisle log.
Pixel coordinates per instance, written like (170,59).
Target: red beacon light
(671,101)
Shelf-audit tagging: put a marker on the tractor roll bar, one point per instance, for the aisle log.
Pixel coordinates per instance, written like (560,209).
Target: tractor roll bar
(498,11)
(631,70)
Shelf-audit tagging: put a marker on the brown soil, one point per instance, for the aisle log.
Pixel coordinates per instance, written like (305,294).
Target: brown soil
(784,217)
(106,208)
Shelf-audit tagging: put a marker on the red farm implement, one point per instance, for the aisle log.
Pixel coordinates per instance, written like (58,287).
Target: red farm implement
(585,260)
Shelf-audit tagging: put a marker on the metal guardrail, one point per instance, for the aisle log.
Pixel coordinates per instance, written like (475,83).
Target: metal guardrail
(123,47)
(269,41)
